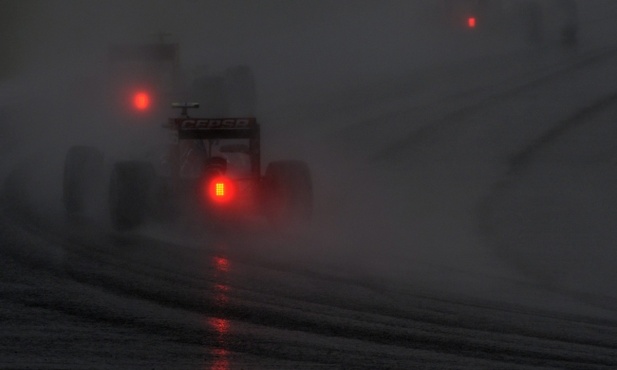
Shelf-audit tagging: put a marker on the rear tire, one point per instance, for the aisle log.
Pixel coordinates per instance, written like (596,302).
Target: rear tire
(83,168)
(130,190)
(288,193)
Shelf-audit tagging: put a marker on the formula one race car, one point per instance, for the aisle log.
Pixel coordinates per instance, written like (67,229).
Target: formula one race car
(212,170)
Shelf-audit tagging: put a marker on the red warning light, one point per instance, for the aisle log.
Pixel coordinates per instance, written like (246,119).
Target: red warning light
(221,190)
(471,22)
(141,101)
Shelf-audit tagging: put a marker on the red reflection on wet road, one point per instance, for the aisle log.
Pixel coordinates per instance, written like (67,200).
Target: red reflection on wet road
(221,264)
(221,359)
(219,355)
(221,298)
(221,326)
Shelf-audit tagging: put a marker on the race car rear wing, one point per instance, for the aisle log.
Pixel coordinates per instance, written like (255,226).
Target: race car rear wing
(216,128)
(223,128)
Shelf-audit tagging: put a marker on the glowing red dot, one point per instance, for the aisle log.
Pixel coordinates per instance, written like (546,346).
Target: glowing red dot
(471,22)
(141,101)
(221,190)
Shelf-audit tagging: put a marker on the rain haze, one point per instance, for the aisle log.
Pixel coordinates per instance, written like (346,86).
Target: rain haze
(448,172)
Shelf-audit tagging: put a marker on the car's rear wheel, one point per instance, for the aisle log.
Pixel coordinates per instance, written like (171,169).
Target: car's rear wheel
(83,168)
(130,189)
(288,193)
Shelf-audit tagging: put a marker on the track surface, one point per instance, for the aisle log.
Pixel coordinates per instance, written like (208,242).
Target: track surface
(75,295)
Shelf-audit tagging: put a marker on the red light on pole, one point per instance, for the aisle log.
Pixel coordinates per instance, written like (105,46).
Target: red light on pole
(141,101)
(471,22)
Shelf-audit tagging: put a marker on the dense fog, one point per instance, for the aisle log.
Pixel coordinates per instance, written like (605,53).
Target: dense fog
(329,75)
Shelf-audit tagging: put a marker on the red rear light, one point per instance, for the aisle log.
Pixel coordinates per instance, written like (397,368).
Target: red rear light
(471,22)
(141,101)
(221,190)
